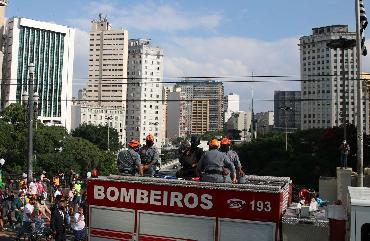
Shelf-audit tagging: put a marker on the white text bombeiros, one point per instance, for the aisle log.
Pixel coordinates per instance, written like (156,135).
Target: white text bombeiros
(153,197)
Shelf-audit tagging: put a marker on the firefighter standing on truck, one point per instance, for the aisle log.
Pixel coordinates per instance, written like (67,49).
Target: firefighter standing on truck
(189,156)
(234,158)
(128,161)
(149,156)
(212,164)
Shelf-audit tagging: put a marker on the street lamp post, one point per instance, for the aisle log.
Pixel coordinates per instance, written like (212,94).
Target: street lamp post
(343,44)
(109,118)
(286,109)
(31,72)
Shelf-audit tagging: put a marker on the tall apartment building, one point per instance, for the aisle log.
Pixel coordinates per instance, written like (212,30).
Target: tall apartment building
(144,94)
(3,4)
(200,116)
(51,48)
(176,120)
(287,109)
(321,67)
(232,104)
(211,90)
(108,56)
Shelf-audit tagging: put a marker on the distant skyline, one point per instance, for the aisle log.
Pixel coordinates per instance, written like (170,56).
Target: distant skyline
(205,37)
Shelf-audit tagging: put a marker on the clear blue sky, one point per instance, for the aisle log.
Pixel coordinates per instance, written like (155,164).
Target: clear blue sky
(213,37)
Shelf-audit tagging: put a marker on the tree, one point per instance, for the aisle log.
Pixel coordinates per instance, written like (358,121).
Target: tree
(99,136)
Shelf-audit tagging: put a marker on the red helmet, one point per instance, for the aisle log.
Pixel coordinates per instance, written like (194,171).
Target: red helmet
(134,143)
(149,137)
(225,141)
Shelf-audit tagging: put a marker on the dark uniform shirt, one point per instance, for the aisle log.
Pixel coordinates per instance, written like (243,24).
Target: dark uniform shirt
(128,161)
(190,156)
(214,160)
(149,154)
(234,158)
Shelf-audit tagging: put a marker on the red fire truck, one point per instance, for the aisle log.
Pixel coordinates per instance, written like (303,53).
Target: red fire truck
(148,209)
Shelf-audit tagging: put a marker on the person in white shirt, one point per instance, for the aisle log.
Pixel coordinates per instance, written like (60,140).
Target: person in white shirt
(28,215)
(33,187)
(79,225)
(57,193)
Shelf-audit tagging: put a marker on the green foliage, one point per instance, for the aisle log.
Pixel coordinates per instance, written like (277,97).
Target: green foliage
(98,135)
(55,150)
(311,154)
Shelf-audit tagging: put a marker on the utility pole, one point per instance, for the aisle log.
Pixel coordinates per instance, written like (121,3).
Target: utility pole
(31,71)
(360,145)
(286,109)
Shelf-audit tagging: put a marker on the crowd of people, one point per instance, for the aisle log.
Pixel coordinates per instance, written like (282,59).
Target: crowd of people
(28,206)
(218,164)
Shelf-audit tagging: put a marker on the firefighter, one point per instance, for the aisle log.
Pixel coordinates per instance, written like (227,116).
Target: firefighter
(211,165)
(234,158)
(128,161)
(149,156)
(189,156)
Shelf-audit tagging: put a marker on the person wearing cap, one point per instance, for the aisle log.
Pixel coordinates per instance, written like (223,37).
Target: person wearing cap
(233,157)
(211,166)
(344,151)
(128,161)
(149,156)
(189,156)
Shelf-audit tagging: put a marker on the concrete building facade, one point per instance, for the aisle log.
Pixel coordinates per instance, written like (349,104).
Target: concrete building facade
(200,116)
(265,122)
(176,121)
(211,90)
(144,96)
(108,56)
(241,121)
(291,117)
(231,105)
(322,88)
(50,47)
(99,115)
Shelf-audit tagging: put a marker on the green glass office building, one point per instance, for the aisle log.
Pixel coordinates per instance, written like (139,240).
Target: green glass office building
(51,48)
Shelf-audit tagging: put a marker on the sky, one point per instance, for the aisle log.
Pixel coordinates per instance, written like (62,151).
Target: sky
(231,38)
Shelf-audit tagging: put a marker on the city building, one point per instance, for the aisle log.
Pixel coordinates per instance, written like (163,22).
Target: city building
(200,119)
(287,109)
(176,121)
(265,122)
(366,86)
(144,94)
(204,89)
(50,47)
(166,90)
(3,4)
(108,56)
(231,105)
(322,89)
(100,115)
(240,121)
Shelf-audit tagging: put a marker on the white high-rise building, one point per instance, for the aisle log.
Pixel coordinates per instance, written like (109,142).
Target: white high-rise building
(322,69)
(144,94)
(108,55)
(232,104)
(51,48)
